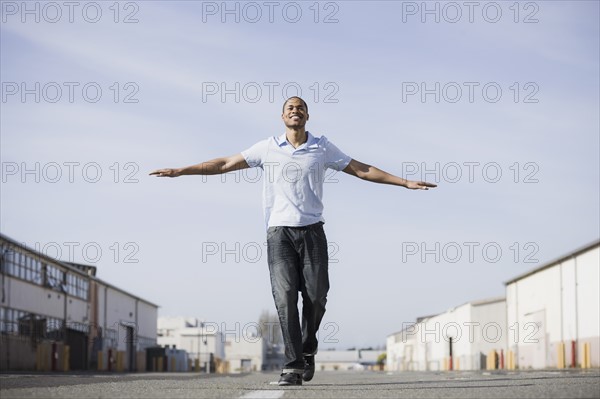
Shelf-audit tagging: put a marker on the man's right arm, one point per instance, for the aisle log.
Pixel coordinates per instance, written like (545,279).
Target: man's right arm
(215,166)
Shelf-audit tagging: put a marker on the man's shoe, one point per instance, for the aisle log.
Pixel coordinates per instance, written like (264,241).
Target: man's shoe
(309,368)
(290,379)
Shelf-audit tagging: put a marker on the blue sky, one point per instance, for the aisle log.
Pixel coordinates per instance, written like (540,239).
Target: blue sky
(362,68)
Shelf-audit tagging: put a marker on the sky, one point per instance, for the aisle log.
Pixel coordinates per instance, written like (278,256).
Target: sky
(496,102)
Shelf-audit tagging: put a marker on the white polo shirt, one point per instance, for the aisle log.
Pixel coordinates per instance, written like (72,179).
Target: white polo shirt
(293,177)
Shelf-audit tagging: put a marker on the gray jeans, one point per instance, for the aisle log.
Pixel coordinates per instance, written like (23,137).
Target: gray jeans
(298,262)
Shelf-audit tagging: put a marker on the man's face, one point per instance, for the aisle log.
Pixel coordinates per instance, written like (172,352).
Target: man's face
(294,113)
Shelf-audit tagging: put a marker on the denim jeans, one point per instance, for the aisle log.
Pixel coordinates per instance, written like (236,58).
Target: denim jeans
(298,262)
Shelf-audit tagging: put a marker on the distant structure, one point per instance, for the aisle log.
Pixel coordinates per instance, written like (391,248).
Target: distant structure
(550,318)
(210,350)
(202,341)
(58,316)
(343,360)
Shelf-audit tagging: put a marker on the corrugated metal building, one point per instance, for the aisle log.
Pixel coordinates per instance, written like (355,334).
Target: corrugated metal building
(59,316)
(553,312)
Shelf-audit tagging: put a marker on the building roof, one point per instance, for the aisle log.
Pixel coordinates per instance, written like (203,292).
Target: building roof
(488,301)
(556,261)
(77,268)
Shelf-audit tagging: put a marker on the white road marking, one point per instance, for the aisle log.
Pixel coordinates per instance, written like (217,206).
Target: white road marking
(271,394)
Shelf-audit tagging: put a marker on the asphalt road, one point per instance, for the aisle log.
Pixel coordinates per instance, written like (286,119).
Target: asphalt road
(334,384)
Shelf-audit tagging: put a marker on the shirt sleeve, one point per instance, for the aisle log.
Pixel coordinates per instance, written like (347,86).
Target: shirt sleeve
(335,158)
(255,155)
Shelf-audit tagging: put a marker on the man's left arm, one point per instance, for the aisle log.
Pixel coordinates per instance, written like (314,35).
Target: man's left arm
(371,173)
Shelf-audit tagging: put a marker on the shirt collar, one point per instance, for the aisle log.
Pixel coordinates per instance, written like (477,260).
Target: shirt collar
(282,140)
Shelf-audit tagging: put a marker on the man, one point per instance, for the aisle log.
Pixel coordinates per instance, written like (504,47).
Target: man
(294,165)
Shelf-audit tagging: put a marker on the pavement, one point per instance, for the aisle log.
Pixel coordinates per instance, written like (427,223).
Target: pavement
(332,384)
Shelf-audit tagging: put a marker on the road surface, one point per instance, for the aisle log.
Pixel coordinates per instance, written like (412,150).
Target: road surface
(333,384)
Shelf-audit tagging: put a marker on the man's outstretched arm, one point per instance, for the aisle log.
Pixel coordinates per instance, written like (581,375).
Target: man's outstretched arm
(216,166)
(373,174)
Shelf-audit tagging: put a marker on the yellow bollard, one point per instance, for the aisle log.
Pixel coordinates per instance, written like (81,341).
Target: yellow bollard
(173,364)
(586,362)
(119,361)
(197,365)
(42,357)
(560,355)
(491,360)
(160,364)
(66,355)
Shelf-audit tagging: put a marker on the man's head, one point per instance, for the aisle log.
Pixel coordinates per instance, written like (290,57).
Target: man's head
(295,112)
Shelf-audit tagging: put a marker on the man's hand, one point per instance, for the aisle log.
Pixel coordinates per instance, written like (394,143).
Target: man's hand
(166,173)
(419,185)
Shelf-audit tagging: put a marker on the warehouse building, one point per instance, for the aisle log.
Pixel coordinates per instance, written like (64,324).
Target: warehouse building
(461,338)
(554,312)
(550,319)
(58,315)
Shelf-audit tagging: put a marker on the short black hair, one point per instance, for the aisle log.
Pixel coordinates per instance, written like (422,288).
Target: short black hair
(299,98)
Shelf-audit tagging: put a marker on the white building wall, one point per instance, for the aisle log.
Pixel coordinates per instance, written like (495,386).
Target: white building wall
(431,344)
(251,351)
(588,294)
(146,320)
(393,351)
(458,329)
(120,314)
(557,304)
(538,317)
(77,310)
(569,299)
(512,315)
(475,328)
(34,298)
(490,332)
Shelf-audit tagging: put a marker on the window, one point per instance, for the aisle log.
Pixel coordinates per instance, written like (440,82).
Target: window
(77,286)
(21,265)
(55,276)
